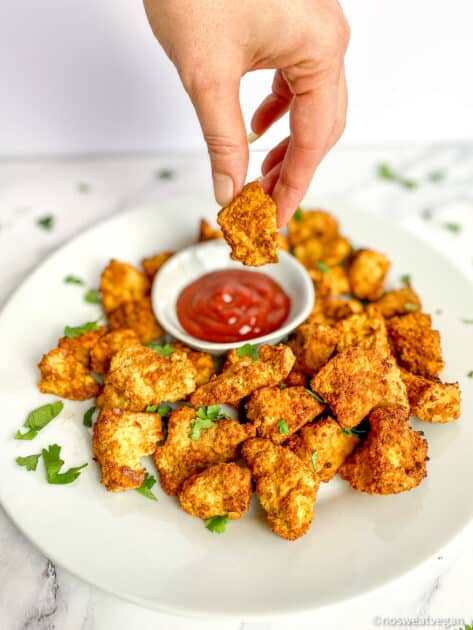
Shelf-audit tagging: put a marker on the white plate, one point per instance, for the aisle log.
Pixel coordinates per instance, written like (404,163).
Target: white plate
(154,553)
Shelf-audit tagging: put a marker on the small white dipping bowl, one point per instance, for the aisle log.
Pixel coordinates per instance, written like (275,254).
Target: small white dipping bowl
(195,261)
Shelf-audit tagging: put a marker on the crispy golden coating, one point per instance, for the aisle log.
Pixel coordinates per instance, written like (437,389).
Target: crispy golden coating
(246,376)
(281,242)
(269,406)
(286,486)
(367,270)
(392,458)
(336,251)
(249,226)
(432,400)
(64,376)
(367,330)
(153,264)
(81,346)
(309,224)
(296,377)
(333,281)
(121,282)
(356,381)
(202,362)
(207,232)
(221,489)
(325,445)
(120,439)
(415,344)
(108,345)
(399,302)
(139,377)
(137,315)
(309,253)
(313,345)
(336,308)
(180,456)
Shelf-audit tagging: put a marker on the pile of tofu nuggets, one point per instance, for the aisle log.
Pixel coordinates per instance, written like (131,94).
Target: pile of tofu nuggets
(336,397)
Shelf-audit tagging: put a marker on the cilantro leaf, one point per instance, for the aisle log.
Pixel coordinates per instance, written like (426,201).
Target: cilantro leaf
(248,350)
(313,459)
(38,419)
(323,267)
(73,280)
(436,176)
(410,307)
(83,187)
(455,228)
(467,321)
(426,214)
(53,464)
(406,279)
(46,222)
(75,331)
(217,524)
(470,374)
(145,488)
(164,351)
(92,296)
(165,173)
(357,431)
(29,462)
(88,415)
(163,410)
(298,215)
(282,386)
(283,428)
(205,417)
(385,171)
(316,396)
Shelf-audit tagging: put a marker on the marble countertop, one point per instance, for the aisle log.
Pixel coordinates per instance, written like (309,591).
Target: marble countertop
(428,189)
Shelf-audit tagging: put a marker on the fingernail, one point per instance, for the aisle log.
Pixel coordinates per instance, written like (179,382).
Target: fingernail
(252,136)
(223,188)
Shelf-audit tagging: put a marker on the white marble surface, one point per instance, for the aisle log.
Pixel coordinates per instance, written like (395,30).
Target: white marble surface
(35,594)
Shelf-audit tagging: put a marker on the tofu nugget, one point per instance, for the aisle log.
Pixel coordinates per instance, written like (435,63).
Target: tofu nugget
(121,282)
(313,345)
(399,302)
(392,458)
(64,376)
(137,315)
(415,344)
(81,346)
(108,345)
(246,376)
(286,486)
(207,232)
(367,270)
(277,413)
(182,456)
(120,439)
(323,445)
(222,489)
(202,362)
(309,253)
(249,226)
(336,308)
(153,264)
(139,377)
(336,251)
(356,381)
(431,400)
(367,330)
(308,224)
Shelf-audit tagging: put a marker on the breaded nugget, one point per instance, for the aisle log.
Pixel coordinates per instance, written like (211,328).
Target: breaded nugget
(415,344)
(121,282)
(249,226)
(139,377)
(281,242)
(399,302)
(313,345)
(294,378)
(180,456)
(154,263)
(324,445)
(137,315)
(367,270)
(336,308)
(222,489)
(202,362)
(207,232)
(331,281)
(246,376)
(432,400)
(64,376)
(120,439)
(102,352)
(286,486)
(392,458)
(270,406)
(309,253)
(356,381)
(308,224)
(80,347)
(367,330)
(336,251)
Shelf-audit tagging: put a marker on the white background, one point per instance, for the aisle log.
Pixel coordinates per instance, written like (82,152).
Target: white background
(86,77)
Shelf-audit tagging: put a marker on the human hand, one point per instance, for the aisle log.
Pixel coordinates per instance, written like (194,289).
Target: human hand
(213,43)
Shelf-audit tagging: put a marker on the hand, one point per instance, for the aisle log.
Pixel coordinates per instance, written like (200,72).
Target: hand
(213,43)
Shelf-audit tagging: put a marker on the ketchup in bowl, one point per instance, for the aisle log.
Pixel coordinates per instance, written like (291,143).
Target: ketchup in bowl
(232,305)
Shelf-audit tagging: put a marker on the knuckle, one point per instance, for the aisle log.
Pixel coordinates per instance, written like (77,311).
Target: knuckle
(200,78)
(220,145)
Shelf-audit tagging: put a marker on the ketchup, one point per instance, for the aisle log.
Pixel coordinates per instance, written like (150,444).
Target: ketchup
(232,305)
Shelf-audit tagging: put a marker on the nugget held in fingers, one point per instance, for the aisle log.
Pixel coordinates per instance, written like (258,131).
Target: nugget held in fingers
(120,439)
(286,486)
(222,489)
(64,376)
(249,226)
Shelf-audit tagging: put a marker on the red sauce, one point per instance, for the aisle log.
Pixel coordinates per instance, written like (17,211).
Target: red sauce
(232,305)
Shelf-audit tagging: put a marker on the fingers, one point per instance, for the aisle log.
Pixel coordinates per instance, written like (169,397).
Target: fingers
(274,156)
(274,106)
(217,104)
(341,113)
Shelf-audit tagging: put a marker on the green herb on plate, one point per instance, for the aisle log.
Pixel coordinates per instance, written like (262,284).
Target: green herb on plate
(323,267)
(316,396)
(410,307)
(38,419)
(313,459)
(455,228)
(165,350)
(298,215)
(46,222)
(29,462)
(73,280)
(88,415)
(217,524)
(53,464)
(92,296)
(205,417)
(283,428)
(248,350)
(145,488)
(406,279)
(75,331)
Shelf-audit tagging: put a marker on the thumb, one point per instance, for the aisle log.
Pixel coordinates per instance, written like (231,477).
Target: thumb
(217,103)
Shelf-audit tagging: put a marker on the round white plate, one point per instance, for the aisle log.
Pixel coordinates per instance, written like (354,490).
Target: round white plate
(156,555)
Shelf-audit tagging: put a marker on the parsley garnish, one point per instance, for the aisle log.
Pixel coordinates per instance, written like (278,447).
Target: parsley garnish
(164,351)
(165,173)
(46,222)
(384,171)
(53,464)
(92,296)
(282,386)
(145,488)
(470,374)
(406,279)
(283,428)
(323,267)
(88,415)
(84,187)
(426,214)
(467,321)
(316,396)
(163,410)
(436,176)
(75,331)
(313,459)
(29,462)
(73,280)
(455,228)
(248,350)
(216,524)
(298,215)
(205,417)
(38,419)
(410,307)
(357,431)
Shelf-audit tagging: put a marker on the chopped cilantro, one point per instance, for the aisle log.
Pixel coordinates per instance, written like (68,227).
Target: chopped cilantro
(216,524)
(92,296)
(73,280)
(84,187)
(408,183)
(436,176)
(298,215)
(357,431)
(205,417)
(467,321)
(145,488)
(406,279)
(248,350)
(426,214)
(165,350)
(53,464)
(470,374)
(282,386)
(410,307)
(29,462)
(75,331)
(323,267)
(283,428)
(165,173)
(88,415)
(46,222)
(38,419)
(384,171)
(163,410)
(316,396)
(313,459)
(455,228)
